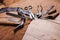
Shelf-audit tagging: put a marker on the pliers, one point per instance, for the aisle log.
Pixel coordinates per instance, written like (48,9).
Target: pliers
(41,14)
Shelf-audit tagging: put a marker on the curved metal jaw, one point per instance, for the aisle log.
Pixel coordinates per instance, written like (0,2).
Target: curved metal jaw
(20,26)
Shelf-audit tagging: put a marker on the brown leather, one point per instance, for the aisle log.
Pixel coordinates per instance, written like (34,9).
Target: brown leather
(42,30)
(6,32)
(9,2)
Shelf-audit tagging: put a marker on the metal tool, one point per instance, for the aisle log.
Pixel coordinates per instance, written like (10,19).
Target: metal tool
(21,25)
(49,9)
(17,9)
(29,11)
(41,14)
(21,12)
(8,9)
(39,9)
(2,10)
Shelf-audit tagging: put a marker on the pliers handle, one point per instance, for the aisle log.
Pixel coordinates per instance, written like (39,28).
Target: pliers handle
(21,25)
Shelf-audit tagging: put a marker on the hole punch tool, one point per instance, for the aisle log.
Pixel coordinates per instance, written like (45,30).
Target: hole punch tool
(39,9)
(29,11)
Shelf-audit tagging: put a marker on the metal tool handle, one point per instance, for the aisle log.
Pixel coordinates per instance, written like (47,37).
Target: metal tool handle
(39,9)
(2,10)
(20,26)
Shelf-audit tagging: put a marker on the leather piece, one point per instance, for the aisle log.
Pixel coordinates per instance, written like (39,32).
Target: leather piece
(42,30)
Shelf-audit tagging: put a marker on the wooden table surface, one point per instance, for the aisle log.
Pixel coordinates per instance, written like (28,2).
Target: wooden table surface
(6,32)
